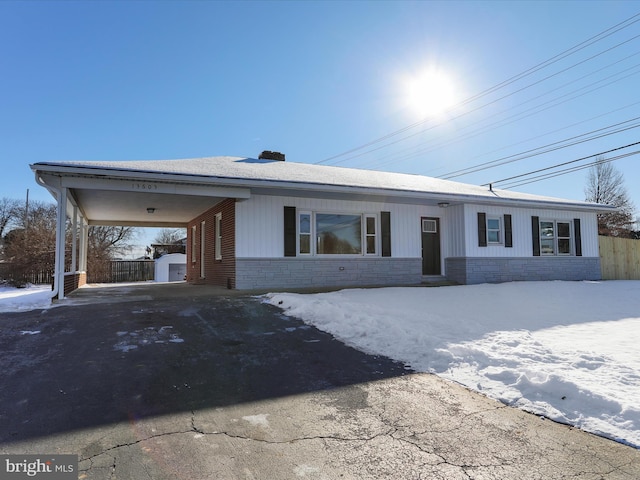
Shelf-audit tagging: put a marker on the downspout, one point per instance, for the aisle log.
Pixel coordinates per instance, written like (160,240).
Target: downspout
(57,193)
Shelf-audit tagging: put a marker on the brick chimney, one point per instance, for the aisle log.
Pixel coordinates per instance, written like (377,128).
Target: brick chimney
(269,155)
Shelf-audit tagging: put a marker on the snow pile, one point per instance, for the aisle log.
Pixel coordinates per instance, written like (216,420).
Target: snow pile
(21,299)
(564,350)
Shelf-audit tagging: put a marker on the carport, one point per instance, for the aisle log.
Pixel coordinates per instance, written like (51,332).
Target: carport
(91,195)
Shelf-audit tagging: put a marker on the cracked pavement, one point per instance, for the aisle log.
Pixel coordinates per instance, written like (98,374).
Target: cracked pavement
(250,394)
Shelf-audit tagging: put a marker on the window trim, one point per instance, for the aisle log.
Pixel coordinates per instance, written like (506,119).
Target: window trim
(194,243)
(366,235)
(556,237)
(313,248)
(299,233)
(218,238)
(500,230)
(203,233)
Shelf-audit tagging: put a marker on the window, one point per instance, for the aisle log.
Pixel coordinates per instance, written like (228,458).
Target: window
(202,248)
(494,232)
(429,226)
(304,235)
(370,234)
(564,238)
(555,237)
(193,244)
(337,234)
(218,242)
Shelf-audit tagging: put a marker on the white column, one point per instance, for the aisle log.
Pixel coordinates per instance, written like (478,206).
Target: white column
(74,240)
(60,241)
(84,242)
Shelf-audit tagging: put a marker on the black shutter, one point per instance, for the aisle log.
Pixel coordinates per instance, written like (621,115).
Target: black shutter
(535,235)
(482,229)
(289,231)
(385,229)
(508,232)
(578,236)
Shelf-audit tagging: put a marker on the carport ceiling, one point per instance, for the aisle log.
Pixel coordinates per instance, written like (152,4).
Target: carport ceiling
(108,207)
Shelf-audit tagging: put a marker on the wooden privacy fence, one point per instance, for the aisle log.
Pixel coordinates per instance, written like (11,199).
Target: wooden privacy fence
(113,271)
(619,258)
(122,271)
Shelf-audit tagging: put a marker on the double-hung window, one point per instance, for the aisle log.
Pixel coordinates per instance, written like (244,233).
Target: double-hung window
(321,233)
(494,231)
(555,237)
(218,238)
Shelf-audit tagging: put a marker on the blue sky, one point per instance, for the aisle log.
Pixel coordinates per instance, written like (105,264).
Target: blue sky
(161,80)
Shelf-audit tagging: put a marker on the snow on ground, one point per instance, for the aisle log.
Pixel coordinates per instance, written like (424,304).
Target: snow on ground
(568,351)
(22,299)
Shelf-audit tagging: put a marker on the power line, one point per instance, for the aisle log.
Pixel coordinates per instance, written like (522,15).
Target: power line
(512,116)
(566,171)
(576,48)
(559,165)
(510,119)
(550,147)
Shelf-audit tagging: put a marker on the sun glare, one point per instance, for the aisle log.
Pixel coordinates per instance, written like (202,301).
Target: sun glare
(430,93)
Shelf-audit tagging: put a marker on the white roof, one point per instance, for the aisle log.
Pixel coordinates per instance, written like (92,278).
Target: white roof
(250,172)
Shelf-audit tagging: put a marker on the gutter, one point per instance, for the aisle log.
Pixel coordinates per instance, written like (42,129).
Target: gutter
(492,198)
(57,193)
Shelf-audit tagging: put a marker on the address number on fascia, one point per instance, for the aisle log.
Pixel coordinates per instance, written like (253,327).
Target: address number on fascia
(144,186)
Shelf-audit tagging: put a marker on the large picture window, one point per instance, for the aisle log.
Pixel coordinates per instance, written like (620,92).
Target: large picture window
(337,234)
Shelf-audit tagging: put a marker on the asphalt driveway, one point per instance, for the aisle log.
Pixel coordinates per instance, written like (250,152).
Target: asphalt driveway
(190,382)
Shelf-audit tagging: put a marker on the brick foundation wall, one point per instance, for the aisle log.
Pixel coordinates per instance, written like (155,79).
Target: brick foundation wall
(72,281)
(470,271)
(261,273)
(216,272)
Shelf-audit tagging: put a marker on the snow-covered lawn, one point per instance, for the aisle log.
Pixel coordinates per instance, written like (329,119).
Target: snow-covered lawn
(21,299)
(568,351)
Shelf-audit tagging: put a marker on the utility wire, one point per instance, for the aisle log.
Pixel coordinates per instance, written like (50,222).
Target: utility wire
(510,119)
(414,153)
(550,147)
(576,48)
(566,171)
(560,164)
(486,105)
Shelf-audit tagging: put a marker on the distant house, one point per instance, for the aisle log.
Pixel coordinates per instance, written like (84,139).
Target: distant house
(268,223)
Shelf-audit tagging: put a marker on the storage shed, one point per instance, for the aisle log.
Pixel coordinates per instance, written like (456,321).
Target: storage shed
(171,268)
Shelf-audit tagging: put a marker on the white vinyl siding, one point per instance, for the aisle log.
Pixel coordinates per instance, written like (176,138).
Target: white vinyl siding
(260,223)
(521,230)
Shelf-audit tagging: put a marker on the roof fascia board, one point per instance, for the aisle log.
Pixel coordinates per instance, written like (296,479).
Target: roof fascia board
(151,186)
(112,223)
(280,185)
(408,196)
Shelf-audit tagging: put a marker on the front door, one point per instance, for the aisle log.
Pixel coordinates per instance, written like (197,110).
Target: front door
(431,246)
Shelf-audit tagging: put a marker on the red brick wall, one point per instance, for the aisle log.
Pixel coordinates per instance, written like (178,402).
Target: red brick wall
(216,272)
(73,281)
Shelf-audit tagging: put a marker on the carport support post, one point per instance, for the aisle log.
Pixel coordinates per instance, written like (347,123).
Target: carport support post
(74,240)
(84,241)
(61,220)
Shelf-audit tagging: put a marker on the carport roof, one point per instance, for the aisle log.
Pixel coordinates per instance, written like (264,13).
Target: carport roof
(249,175)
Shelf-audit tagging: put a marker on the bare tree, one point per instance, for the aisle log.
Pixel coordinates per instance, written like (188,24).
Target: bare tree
(105,244)
(605,185)
(30,240)
(169,240)
(169,236)
(29,247)
(8,214)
